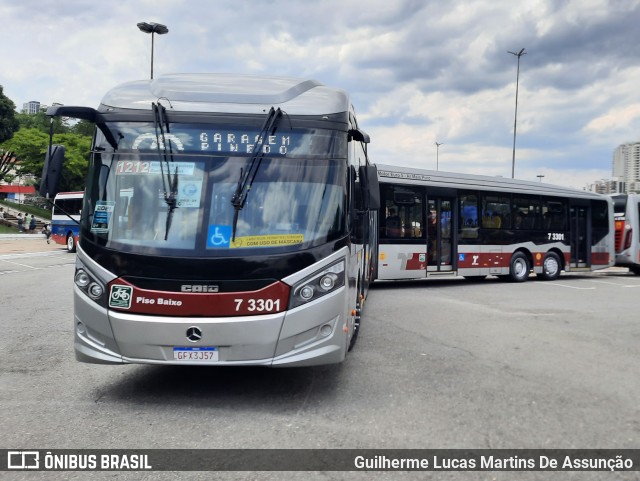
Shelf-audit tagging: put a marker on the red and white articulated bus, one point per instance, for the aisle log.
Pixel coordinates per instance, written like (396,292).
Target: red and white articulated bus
(435,223)
(627,220)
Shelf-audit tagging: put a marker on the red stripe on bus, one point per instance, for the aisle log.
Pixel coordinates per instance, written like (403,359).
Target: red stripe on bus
(269,300)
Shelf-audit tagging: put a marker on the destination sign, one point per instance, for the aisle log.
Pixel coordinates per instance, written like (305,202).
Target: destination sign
(219,139)
(247,142)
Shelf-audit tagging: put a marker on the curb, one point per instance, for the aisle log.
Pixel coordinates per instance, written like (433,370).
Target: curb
(21,236)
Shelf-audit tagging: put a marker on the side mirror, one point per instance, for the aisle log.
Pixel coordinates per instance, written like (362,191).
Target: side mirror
(51,171)
(358,135)
(370,187)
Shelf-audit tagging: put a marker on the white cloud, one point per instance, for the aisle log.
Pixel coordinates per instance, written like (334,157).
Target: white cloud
(418,71)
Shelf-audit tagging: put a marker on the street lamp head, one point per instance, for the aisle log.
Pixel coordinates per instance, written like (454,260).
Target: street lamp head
(519,54)
(153,28)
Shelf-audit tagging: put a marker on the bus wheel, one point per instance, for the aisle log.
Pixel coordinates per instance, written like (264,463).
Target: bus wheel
(71,243)
(551,267)
(519,267)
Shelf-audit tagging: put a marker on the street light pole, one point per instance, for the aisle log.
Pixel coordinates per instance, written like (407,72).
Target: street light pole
(540,176)
(515,117)
(438,155)
(153,28)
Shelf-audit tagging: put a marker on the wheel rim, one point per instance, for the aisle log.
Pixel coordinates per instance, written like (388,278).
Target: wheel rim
(70,242)
(520,268)
(551,266)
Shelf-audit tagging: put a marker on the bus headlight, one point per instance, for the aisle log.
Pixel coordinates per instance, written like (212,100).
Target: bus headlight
(82,279)
(95,290)
(318,284)
(89,284)
(328,281)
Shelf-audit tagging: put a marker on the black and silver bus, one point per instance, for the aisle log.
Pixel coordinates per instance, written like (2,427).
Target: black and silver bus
(227,220)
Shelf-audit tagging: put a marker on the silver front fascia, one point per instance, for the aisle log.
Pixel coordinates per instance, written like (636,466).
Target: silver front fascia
(310,334)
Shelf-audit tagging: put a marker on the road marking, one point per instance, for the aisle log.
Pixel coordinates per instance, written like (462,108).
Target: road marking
(553,284)
(617,284)
(18,264)
(604,282)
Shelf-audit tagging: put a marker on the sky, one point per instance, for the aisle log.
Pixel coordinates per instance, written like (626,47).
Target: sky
(418,71)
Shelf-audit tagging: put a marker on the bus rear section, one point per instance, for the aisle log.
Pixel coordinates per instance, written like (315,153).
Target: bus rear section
(627,225)
(65,219)
(439,224)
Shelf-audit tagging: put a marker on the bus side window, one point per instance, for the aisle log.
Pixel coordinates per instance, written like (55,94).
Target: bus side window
(554,215)
(403,213)
(469,216)
(495,212)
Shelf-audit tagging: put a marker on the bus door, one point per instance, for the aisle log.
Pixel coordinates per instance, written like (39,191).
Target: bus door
(579,217)
(440,245)
(402,250)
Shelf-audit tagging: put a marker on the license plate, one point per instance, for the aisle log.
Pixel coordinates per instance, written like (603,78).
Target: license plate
(195,353)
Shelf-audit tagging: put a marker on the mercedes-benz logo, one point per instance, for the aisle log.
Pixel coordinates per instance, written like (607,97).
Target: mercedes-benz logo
(194,334)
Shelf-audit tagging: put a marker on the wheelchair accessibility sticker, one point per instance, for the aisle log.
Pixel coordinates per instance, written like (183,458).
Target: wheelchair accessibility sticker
(219,236)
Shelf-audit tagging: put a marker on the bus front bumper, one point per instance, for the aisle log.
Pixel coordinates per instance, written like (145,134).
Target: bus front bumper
(312,334)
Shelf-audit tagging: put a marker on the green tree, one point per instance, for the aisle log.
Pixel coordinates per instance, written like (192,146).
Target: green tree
(30,147)
(42,122)
(83,127)
(78,149)
(8,122)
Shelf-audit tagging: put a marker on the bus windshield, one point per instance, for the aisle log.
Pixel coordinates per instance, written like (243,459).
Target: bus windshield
(295,201)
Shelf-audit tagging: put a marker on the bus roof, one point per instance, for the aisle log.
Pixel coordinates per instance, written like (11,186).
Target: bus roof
(228,93)
(433,178)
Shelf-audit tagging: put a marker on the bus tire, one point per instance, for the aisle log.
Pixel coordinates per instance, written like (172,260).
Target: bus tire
(519,267)
(551,267)
(71,243)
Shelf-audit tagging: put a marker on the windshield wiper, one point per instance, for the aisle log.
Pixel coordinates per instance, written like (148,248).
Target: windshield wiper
(246,178)
(171,194)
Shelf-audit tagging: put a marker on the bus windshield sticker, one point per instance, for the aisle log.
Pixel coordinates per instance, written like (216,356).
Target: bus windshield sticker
(273,240)
(102,216)
(190,192)
(120,296)
(219,236)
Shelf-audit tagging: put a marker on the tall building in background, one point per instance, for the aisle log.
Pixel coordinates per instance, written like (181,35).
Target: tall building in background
(626,166)
(31,108)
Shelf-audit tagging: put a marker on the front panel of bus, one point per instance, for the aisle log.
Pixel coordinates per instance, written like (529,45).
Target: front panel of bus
(197,249)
